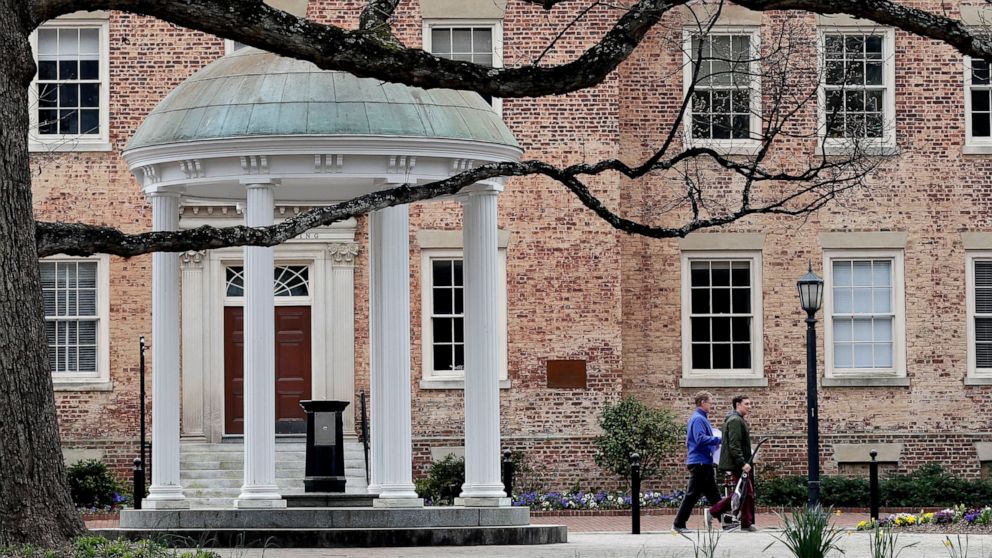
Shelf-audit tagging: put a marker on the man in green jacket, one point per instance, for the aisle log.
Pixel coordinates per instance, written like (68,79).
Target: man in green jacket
(735,455)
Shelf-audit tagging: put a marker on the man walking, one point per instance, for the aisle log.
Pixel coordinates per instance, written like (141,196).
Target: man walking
(735,458)
(701,442)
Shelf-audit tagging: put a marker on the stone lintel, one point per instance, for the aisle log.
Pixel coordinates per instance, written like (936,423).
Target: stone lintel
(865,240)
(859,453)
(722,241)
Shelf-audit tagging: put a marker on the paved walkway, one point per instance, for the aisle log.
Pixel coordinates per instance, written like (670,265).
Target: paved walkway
(613,545)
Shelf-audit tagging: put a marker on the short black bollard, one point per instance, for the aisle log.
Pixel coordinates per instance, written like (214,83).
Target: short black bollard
(635,494)
(139,482)
(508,473)
(873,484)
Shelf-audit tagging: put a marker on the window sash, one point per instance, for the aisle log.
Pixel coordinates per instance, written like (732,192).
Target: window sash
(844,124)
(850,349)
(722,119)
(706,355)
(451,347)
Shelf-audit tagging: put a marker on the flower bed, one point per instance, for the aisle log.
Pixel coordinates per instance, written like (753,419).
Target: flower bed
(592,501)
(956,516)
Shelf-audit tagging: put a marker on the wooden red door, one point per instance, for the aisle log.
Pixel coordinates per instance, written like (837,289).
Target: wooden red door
(293,369)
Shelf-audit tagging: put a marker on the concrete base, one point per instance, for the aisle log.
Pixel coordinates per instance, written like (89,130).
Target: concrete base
(330,527)
(250,504)
(331,538)
(398,503)
(165,504)
(473,502)
(329,500)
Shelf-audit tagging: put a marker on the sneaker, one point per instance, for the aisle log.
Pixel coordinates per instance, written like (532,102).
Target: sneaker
(680,530)
(731,526)
(707,517)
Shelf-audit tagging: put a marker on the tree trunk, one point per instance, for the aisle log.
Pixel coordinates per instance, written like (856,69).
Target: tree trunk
(35,506)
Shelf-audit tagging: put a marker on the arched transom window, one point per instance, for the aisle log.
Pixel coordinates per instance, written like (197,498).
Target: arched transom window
(289,280)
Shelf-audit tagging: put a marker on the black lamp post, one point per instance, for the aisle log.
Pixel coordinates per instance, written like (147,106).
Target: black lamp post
(811,297)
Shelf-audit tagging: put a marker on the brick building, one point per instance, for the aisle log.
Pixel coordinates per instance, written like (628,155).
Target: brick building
(905,358)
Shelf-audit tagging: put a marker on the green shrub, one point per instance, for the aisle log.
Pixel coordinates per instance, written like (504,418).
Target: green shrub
(444,481)
(808,533)
(630,426)
(930,485)
(92,485)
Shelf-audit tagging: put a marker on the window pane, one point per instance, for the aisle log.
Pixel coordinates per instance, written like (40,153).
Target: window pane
(883,329)
(87,359)
(721,273)
(979,72)
(701,356)
(862,300)
(68,69)
(983,355)
(873,73)
(461,40)
(883,300)
(862,273)
(48,40)
(983,273)
(721,356)
(87,332)
(89,42)
(843,355)
(980,101)
(862,331)
(701,329)
(68,121)
(456,272)
(741,329)
(459,301)
(89,95)
(721,329)
(87,302)
(441,42)
(863,355)
(741,301)
(443,301)
(741,355)
(442,330)
(721,301)
(983,329)
(89,69)
(741,274)
(482,40)
(68,42)
(700,274)
(980,127)
(458,328)
(873,46)
(443,357)
(48,70)
(459,363)
(87,275)
(842,330)
(700,301)
(983,301)
(441,272)
(842,273)
(883,355)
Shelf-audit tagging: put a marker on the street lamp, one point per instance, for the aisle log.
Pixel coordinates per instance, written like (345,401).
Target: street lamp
(811,297)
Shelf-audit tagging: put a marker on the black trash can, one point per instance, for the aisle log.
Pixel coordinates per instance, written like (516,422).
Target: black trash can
(325,446)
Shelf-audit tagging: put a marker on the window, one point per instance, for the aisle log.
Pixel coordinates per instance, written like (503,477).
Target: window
(979,314)
(288,281)
(74,294)
(721,318)
(725,107)
(70,93)
(480,42)
(443,317)
(978,103)
(864,313)
(857,95)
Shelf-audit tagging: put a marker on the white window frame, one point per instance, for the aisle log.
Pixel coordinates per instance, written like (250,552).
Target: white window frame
(74,142)
(898,370)
(495,24)
(887,143)
(972,145)
(972,256)
(99,381)
(430,378)
(725,146)
(277,300)
(757,370)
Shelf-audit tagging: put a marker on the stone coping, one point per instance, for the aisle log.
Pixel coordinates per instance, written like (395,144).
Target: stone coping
(759,509)
(328,518)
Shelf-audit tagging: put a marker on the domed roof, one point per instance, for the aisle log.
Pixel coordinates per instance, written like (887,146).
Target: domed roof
(251,93)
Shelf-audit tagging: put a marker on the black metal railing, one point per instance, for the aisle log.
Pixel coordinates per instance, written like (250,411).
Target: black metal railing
(365,433)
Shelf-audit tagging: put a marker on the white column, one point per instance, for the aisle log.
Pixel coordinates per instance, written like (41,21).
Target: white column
(193,320)
(259,489)
(376,375)
(483,486)
(391,347)
(165,491)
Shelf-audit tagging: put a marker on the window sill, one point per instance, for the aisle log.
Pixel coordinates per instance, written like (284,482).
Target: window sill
(855,381)
(725,381)
(728,147)
(453,383)
(69,146)
(91,385)
(978,380)
(976,149)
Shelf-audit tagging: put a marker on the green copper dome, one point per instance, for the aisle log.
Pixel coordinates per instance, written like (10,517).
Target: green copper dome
(251,93)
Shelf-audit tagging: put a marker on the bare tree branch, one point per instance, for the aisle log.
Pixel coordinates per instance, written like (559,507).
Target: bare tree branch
(375,20)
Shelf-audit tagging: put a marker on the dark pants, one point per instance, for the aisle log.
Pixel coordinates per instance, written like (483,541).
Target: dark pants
(702,482)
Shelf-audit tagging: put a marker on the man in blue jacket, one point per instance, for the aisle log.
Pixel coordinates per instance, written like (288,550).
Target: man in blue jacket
(701,442)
